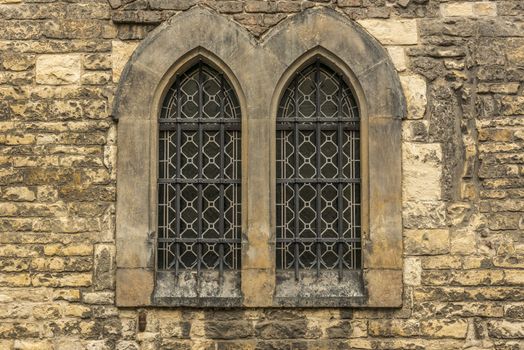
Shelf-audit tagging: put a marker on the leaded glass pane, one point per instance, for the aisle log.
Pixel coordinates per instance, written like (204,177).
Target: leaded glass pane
(199,222)
(318,174)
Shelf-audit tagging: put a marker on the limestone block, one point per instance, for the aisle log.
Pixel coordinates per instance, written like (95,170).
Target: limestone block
(104,266)
(412,271)
(422,171)
(415,92)
(392,32)
(31,344)
(24,194)
(122,51)
(415,130)
(426,242)
(59,69)
(457,9)
(468,9)
(424,214)
(445,328)
(485,8)
(506,329)
(398,57)
(463,242)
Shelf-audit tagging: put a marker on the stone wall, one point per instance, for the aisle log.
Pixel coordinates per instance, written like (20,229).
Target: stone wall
(462,69)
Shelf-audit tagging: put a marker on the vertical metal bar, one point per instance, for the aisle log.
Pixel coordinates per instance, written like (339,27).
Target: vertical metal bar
(200,152)
(178,234)
(317,144)
(340,175)
(222,177)
(295,185)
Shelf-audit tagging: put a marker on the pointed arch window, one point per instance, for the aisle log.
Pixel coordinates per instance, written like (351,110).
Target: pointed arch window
(199,174)
(318,174)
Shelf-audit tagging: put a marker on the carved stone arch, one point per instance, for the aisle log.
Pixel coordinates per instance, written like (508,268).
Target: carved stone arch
(256,71)
(350,50)
(172,47)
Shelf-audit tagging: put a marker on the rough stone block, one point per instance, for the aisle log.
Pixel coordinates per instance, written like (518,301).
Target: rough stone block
(426,242)
(392,32)
(104,266)
(398,57)
(59,69)
(122,51)
(422,171)
(415,92)
(412,271)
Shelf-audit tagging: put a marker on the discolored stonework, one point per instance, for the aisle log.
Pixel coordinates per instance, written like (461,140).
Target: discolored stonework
(461,67)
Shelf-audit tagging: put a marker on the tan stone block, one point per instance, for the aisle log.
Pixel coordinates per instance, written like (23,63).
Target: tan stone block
(398,57)
(515,54)
(506,329)
(415,92)
(96,78)
(463,241)
(392,32)
(62,280)
(76,310)
(426,242)
(477,277)
(382,294)
(422,171)
(15,280)
(33,345)
(412,271)
(69,250)
(457,9)
(98,297)
(134,287)
(257,287)
(58,69)
(6,344)
(122,51)
(514,277)
(19,194)
(485,8)
(46,312)
(440,262)
(445,328)
(66,294)
(389,328)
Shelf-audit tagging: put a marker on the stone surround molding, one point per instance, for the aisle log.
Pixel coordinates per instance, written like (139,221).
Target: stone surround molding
(259,72)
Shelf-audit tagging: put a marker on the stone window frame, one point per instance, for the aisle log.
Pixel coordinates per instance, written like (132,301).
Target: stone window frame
(317,32)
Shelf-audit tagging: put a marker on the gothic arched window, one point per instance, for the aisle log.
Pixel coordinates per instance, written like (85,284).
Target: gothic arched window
(318,174)
(199,174)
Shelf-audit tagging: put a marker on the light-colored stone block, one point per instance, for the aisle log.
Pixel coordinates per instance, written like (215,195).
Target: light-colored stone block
(422,171)
(412,271)
(415,91)
(122,51)
(468,9)
(392,32)
(426,242)
(398,57)
(58,69)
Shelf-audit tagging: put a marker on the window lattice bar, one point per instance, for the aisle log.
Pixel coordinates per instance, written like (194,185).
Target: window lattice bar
(199,216)
(318,174)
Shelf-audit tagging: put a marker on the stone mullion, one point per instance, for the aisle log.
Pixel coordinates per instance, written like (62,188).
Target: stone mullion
(258,251)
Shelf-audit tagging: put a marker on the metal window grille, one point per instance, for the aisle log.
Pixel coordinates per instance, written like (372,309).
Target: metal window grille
(199,217)
(318,174)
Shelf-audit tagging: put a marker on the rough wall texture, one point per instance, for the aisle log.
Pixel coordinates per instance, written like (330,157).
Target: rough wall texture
(462,67)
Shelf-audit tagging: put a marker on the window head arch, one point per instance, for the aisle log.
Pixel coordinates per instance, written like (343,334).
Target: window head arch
(199,174)
(318,174)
